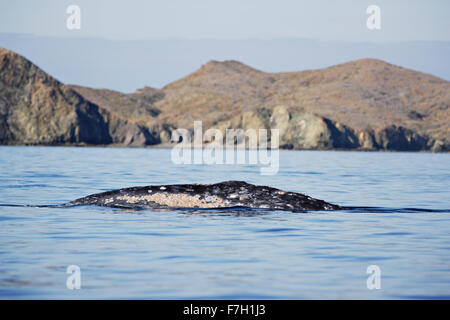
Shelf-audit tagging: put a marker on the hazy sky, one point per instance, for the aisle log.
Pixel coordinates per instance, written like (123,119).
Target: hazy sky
(126,44)
(345,20)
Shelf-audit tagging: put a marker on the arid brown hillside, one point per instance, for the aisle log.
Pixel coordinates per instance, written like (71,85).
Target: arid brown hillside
(369,101)
(366,104)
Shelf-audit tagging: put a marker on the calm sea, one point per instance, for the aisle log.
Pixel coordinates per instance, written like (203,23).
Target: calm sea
(404,231)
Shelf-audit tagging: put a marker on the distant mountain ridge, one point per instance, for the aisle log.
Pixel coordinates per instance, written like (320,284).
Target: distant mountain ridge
(366,104)
(93,62)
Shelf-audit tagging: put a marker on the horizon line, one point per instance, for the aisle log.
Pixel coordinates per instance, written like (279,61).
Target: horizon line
(179,38)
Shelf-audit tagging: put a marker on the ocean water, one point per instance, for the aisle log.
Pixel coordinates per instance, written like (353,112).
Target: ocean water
(398,220)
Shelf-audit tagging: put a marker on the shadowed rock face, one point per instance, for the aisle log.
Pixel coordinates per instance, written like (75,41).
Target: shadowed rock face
(37,109)
(220,195)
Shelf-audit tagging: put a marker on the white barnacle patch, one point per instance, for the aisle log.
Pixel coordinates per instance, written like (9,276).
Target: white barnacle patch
(232,196)
(109,200)
(149,191)
(280,192)
(163,188)
(264,206)
(210,199)
(176,200)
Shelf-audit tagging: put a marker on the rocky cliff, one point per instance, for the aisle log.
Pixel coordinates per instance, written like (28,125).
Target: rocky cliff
(37,109)
(366,104)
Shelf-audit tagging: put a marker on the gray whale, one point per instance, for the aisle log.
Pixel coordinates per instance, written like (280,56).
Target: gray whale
(226,194)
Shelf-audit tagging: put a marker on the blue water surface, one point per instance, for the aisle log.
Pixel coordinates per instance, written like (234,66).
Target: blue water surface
(405,230)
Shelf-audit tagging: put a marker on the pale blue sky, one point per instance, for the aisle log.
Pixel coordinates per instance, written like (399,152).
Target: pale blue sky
(124,45)
(329,20)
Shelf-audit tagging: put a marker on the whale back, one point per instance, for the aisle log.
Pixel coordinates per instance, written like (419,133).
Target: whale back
(225,194)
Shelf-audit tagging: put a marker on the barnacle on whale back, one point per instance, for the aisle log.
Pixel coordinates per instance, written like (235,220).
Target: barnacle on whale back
(226,194)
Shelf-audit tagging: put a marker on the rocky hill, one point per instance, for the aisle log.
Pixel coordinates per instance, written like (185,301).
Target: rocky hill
(37,109)
(365,104)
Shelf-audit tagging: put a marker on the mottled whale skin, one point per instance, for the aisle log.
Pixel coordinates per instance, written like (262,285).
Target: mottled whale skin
(226,194)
